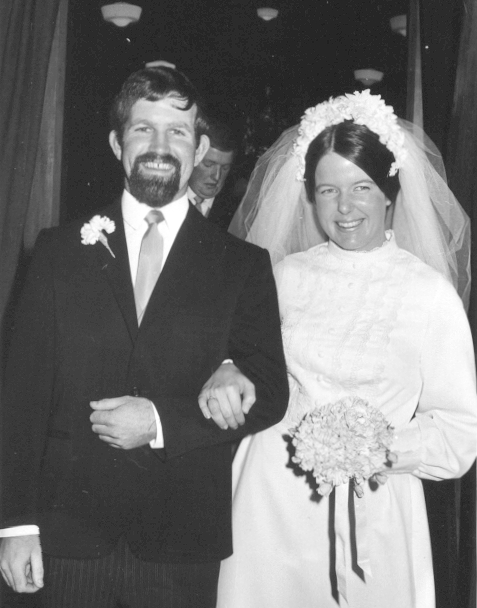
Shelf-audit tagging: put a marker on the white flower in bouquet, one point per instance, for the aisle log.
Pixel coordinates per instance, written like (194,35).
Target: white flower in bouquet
(343,441)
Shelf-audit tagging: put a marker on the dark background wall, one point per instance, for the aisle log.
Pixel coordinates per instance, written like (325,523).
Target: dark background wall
(259,76)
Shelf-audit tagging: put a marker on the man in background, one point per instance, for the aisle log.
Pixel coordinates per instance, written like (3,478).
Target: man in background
(206,184)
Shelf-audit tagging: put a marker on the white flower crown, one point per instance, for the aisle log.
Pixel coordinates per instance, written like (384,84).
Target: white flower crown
(361,107)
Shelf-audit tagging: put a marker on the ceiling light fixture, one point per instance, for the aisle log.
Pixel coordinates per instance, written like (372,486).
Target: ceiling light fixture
(267,14)
(399,24)
(368,77)
(121,13)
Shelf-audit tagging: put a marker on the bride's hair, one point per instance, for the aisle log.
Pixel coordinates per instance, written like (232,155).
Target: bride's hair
(359,145)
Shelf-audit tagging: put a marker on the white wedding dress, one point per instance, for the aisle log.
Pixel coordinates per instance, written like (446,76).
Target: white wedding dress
(385,327)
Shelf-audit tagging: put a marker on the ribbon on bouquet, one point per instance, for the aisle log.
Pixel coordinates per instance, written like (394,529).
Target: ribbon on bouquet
(348,508)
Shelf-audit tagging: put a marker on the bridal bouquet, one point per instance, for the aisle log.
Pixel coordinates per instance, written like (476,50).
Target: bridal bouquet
(343,441)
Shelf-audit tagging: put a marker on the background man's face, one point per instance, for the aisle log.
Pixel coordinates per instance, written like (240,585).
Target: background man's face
(158,150)
(209,175)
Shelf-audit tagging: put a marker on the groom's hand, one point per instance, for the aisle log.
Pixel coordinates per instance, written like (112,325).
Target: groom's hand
(227,396)
(124,422)
(21,563)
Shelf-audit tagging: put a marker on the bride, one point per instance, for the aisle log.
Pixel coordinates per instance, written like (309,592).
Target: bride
(368,312)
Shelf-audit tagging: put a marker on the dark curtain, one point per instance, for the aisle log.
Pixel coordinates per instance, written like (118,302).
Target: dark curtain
(461,160)
(451,504)
(26,34)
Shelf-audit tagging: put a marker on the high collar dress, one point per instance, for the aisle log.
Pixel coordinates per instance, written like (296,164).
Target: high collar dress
(384,327)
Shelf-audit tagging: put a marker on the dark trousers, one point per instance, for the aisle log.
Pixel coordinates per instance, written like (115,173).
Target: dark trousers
(121,580)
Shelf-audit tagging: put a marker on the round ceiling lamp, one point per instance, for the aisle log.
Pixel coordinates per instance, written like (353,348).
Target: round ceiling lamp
(267,14)
(368,77)
(121,13)
(399,24)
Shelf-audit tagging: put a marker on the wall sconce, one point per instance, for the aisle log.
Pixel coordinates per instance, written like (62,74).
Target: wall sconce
(399,24)
(267,14)
(368,77)
(121,13)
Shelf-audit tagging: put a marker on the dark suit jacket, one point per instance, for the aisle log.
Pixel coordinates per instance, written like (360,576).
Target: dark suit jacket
(223,209)
(76,340)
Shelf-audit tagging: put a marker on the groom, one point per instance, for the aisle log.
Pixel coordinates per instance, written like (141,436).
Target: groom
(108,460)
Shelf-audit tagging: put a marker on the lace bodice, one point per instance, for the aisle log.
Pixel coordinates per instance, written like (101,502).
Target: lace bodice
(353,324)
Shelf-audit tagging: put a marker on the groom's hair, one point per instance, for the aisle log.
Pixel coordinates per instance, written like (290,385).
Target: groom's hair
(359,145)
(154,84)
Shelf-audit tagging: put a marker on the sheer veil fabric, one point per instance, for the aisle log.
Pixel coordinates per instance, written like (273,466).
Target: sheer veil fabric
(427,219)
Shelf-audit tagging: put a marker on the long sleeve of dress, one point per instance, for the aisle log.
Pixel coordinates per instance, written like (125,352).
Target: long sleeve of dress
(440,441)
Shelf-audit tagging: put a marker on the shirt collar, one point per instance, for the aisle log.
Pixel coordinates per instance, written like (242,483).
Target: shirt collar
(191,195)
(134,212)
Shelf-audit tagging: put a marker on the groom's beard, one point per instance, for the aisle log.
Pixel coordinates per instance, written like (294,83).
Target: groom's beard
(150,189)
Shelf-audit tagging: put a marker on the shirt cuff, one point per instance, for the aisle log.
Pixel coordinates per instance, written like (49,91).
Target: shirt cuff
(19,531)
(158,442)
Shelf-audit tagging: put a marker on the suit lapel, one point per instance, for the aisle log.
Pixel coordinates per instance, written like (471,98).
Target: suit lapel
(187,264)
(215,208)
(117,269)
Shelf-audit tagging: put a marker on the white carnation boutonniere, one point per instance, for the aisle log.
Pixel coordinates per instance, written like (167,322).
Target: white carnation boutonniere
(93,231)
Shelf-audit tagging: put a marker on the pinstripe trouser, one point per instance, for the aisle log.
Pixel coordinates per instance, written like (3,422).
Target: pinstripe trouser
(122,580)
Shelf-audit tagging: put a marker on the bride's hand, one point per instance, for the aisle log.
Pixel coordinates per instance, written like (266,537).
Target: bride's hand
(227,396)
(382,476)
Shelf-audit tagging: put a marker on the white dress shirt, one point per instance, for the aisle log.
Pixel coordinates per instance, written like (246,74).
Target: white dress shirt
(135,226)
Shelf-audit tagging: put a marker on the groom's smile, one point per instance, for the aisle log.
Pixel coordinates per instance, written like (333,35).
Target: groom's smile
(164,166)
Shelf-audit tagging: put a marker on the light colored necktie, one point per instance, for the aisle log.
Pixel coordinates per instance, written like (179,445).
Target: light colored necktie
(150,262)
(198,202)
